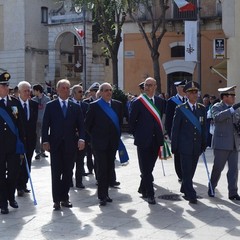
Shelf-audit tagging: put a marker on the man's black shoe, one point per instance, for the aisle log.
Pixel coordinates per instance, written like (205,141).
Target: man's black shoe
(102,202)
(4,210)
(43,155)
(151,200)
(27,190)
(193,201)
(13,204)
(37,157)
(20,193)
(56,206)
(85,174)
(80,185)
(108,199)
(235,197)
(115,184)
(211,193)
(67,204)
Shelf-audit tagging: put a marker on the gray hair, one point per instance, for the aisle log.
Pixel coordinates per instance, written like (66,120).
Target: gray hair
(23,84)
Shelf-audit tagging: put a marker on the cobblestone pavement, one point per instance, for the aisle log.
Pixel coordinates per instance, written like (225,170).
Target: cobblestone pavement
(128,216)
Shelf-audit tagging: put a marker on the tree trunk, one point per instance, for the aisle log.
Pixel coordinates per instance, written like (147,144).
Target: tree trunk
(156,71)
(115,71)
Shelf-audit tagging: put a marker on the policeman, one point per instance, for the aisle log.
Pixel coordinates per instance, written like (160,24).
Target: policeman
(189,137)
(11,136)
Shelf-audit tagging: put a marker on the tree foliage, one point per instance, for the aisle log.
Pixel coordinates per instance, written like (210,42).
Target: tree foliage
(109,15)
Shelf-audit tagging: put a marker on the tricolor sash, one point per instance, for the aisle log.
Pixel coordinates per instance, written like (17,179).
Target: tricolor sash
(14,129)
(122,151)
(192,118)
(164,151)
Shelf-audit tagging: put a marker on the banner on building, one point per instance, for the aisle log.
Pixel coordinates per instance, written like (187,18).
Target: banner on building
(219,48)
(184,6)
(191,47)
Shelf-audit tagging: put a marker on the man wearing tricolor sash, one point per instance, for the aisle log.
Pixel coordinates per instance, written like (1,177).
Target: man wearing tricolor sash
(189,137)
(172,103)
(103,121)
(147,129)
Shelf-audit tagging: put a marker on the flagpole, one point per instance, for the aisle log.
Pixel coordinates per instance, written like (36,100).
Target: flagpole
(199,45)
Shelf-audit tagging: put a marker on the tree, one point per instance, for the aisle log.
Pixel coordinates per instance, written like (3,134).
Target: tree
(158,28)
(110,16)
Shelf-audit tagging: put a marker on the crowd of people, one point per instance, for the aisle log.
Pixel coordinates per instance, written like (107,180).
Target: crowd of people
(71,127)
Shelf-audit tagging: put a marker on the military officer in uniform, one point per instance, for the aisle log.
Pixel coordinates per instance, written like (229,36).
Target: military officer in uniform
(172,103)
(226,141)
(11,136)
(189,137)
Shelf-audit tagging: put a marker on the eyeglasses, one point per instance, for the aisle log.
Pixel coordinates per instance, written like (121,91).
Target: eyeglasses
(149,85)
(80,91)
(107,90)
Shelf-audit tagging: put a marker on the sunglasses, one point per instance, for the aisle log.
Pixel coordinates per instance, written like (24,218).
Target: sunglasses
(80,91)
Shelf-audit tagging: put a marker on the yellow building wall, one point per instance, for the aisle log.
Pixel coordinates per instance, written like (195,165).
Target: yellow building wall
(138,64)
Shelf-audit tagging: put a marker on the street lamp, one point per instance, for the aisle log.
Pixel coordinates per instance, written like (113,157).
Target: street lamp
(78,9)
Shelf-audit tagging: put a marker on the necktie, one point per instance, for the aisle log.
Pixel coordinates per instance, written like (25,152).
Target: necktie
(25,109)
(64,108)
(2,102)
(183,99)
(194,109)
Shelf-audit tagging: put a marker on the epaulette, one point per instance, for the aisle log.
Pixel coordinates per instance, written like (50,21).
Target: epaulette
(200,104)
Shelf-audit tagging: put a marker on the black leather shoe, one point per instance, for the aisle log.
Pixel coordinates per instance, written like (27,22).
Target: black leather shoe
(4,210)
(27,190)
(67,204)
(13,204)
(108,199)
(235,197)
(193,201)
(151,200)
(56,206)
(115,184)
(210,193)
(37,157)
(102,202)
(80,185)
(43,155)
(20,193)
(85,174)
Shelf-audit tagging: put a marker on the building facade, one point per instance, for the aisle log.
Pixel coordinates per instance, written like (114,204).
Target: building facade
(136,59)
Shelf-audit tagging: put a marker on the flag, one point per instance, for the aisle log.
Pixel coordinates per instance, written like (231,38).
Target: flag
(191,41)
(184,5)
(80,32)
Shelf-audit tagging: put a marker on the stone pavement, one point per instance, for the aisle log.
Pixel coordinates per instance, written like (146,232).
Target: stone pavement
(128,216)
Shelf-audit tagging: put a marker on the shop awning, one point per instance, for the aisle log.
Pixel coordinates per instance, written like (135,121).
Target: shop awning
(220,69)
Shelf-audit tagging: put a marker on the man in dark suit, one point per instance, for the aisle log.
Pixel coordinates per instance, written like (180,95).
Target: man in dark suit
(189,137)
(172,103)
(30,109)
(102,122)
(61,120)
(11,118)
(147,129)
(77,93)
